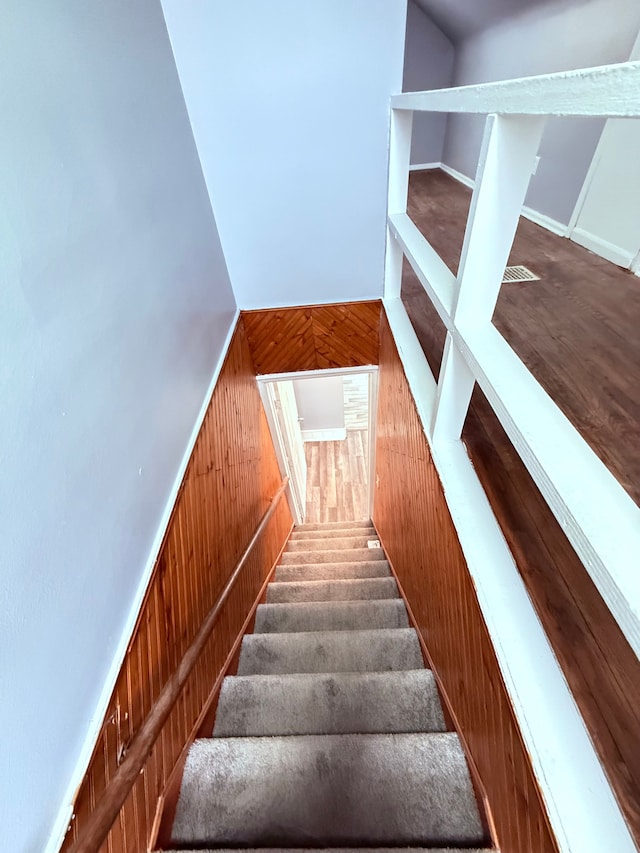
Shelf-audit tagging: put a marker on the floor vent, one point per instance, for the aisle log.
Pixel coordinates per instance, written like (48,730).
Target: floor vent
(519,274)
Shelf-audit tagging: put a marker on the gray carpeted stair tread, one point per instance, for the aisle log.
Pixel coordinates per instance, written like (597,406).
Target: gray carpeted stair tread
(347,570)
(335,544)
(328,535)
(336,703)
(330,651)
(360,589)
(331,556)
(366,789)
(330,616)
(340,850)
(331,525)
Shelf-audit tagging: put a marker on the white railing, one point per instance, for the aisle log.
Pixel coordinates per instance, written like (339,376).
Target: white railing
(599,518)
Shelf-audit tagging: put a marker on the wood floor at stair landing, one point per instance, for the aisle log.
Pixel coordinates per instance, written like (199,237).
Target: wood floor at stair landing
(332,734)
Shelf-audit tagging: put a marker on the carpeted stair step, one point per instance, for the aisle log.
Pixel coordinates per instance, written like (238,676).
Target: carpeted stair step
(310,791)
(336,703)
(332,526)
(332,543)
(347,570)
(331,555)
(330,616)
(339,850)
(301,535)
(364,589)
(330,651)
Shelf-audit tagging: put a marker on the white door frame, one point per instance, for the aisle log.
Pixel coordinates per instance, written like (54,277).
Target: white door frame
(597,154)
(266,390)
(265,379)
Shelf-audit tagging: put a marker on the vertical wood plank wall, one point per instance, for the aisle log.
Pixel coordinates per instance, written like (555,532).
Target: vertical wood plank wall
(416,529)
(230,480)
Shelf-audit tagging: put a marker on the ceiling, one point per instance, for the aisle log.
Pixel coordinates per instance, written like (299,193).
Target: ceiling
(461,18)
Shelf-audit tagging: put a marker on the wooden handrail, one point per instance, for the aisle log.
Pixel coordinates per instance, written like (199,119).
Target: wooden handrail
(104,815)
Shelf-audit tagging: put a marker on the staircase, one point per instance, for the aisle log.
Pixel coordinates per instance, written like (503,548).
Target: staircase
(332,734)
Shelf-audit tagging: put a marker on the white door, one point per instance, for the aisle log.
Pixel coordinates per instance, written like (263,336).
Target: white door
(607,216)
(285,420)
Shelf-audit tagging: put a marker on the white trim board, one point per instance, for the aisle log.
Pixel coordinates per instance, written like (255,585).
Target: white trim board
(65,813)
(584,813)
(424,167)
(604,248)
(608,91)
(545,221)
(310,374)
(458,176)
(529,213)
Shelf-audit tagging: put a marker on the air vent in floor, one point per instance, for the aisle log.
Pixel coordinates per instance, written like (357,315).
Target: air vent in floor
(519,274)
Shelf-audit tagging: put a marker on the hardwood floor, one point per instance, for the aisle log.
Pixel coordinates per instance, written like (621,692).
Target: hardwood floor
(337,471)
(337,481)
(577,331)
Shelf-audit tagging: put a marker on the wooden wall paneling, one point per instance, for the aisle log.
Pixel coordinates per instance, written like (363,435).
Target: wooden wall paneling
(230,480)
(284,340)
(414,524)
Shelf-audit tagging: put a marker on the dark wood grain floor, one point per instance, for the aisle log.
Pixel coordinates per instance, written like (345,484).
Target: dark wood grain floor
(577,329)
(337,479)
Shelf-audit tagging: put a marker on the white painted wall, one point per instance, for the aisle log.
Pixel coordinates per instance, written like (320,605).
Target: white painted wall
(607,216)
(428,64)
(320,402)
(556,37)
(289,103)
(114,308)
(609,219)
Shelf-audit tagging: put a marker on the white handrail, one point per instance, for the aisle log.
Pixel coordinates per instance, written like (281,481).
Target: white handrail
(608,90)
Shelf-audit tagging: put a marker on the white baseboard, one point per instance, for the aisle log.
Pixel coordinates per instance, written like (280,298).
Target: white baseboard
(595,244)
(338,434)
(419,167)
(601,247)
(59,828)
(545,221)
(529,213)
(458,176)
